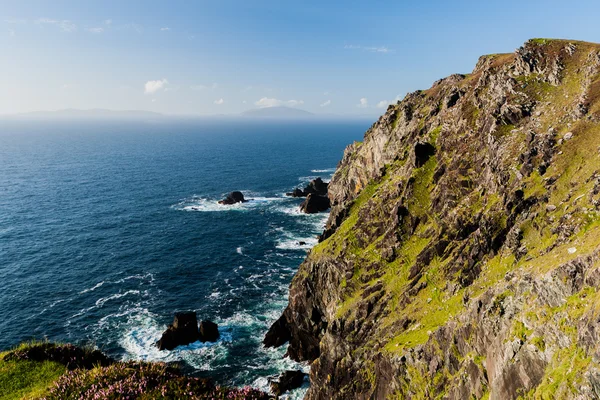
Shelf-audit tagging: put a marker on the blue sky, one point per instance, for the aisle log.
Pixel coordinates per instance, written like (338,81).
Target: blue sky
(207,57)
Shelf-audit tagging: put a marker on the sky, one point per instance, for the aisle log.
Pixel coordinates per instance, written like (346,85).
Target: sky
(224,57)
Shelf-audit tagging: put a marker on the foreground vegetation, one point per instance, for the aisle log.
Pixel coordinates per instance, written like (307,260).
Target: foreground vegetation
(42,370)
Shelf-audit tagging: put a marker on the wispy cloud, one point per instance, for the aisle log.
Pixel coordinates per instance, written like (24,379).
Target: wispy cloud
(64,25)
(154,86)
(95,30)
(267,102)
(363,103)
(219,102)
(325,104)
(204,87)
(133,27)
(108,22)
(165,29)
(372,49)
(11,33)
(383,104)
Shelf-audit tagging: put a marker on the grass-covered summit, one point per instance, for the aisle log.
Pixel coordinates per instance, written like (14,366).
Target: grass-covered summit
(460,258)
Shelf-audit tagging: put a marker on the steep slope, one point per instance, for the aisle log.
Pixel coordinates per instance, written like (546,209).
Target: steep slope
(460,259)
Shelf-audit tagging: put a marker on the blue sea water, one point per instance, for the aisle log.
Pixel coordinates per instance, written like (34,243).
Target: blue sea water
(107,229)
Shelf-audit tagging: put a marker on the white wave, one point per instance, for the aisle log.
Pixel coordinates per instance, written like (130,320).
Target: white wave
(317,171)
(100,302)
(148,276)
(296,243)
(139,342)
(210,205)
(239,250)
(96,286)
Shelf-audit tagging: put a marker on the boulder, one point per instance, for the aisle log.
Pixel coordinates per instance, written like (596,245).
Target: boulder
(314,204)
(184,330)
(233,198)
(289,380)
(209,331)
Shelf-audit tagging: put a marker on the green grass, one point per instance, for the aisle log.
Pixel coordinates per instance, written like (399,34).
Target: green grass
(27,379)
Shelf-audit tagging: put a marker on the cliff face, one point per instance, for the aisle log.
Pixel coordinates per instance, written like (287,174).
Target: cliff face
(461,255)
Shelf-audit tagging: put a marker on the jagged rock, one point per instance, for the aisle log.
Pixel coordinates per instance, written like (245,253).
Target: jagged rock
(316,186)
(209,331)
(289,380)
(232,198)
(314,204)
(184,330)
(278,333)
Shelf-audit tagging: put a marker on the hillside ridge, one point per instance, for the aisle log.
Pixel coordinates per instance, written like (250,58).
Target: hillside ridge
(460,258)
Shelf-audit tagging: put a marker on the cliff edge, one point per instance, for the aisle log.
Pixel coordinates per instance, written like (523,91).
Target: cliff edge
(460,259)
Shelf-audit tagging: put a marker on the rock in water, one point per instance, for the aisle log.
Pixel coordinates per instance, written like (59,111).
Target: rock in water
(289,380)
(316,186)
(209,331)
(314,204)
(184,330)
(278,334)
(232,198)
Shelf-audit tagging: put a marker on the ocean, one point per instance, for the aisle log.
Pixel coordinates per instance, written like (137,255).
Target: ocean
(108,228)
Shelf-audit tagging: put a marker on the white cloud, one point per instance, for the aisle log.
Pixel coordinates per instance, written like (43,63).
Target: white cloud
(154,100)
(372,49)
(244,101)
(219,102)
(95,30)
(165,29)
(65,25)
(326,93)
(11,33)
(67,86)
(364,103)
(154,86)
(108,22)
(267,102)
(382,104)
(247,89)
(325,104)
(215,85)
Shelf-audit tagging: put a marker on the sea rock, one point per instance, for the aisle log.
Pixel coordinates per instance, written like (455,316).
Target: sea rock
(184,330)
(278,334)
(316,186)
(233,198)
(209,331)
(315,203)
(289,380)
(296,193)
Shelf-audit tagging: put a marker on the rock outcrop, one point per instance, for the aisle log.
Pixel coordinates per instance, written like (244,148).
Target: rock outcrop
(185,330)
(287,381)
(316,186)
(314,204)
(209,331)
(461,255)
(233,198)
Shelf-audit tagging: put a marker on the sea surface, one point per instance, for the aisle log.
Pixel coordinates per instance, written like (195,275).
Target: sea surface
(108,228)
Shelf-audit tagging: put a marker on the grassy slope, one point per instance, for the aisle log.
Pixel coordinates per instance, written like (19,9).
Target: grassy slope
(27,379)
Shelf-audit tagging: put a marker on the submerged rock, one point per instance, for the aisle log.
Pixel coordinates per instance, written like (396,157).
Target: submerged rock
(289,380)
(184,330)
(233,198)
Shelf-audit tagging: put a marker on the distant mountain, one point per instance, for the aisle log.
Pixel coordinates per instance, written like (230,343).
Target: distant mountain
(96,113)
(277,112)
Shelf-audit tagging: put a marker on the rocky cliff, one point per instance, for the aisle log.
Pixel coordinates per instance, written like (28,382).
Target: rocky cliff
(461,256)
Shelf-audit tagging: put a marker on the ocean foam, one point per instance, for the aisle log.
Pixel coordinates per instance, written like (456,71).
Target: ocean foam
(317,171)
(202,204)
